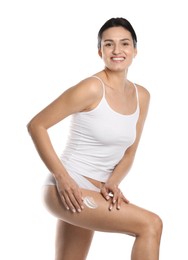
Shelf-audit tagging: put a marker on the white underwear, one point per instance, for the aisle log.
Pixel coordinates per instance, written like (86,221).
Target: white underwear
(79,179)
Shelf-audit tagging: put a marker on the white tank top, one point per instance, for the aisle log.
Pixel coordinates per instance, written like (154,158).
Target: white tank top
(98,140)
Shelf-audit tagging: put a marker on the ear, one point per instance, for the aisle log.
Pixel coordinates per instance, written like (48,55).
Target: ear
(100,53)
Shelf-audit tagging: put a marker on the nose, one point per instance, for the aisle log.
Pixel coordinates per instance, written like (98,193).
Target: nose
(116,49)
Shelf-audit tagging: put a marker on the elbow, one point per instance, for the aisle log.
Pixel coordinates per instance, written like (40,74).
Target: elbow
(29,127)
(32,127)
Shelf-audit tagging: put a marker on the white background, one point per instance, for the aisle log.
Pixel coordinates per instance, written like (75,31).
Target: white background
(48,46)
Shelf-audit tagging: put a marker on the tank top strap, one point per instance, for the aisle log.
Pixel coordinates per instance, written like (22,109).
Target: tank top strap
(101,83)
(137,97)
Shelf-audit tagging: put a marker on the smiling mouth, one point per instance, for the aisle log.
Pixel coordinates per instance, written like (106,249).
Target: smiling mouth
(118,59)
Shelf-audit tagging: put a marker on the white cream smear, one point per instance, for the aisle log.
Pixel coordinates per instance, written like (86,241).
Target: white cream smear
(90,203)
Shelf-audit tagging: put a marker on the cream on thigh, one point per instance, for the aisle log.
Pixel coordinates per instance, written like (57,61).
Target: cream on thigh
(130,219)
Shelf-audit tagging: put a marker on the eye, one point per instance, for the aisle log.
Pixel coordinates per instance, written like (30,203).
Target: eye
(126,44)
(108,44)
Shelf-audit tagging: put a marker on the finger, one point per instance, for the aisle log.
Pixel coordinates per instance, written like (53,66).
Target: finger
(77,201)
(68,201)
(116,195)
(64,202)
(104,193)
(111,206)
(72,198)
(75,204)
(63,198)
(125,199)
(118,204)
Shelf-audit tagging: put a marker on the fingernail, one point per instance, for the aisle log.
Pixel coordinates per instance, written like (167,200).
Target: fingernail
(79,210)
(73,210)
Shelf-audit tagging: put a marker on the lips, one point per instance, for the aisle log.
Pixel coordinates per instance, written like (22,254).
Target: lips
(118,58)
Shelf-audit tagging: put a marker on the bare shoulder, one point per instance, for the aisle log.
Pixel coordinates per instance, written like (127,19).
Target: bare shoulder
(84,95)
(144,94)
(90,85)
(144,99)
(80,97)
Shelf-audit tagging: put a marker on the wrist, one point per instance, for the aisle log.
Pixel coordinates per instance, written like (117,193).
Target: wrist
(112,182)
(59,175)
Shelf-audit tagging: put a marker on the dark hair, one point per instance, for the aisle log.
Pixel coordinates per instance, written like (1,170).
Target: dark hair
(115,22)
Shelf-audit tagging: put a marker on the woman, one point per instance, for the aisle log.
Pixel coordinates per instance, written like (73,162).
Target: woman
(82,189)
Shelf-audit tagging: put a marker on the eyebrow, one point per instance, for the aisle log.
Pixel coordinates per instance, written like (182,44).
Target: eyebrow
(124,39)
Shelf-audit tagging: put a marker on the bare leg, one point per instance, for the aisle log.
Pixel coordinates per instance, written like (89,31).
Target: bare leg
(147,241)
(72,242)
(130,219)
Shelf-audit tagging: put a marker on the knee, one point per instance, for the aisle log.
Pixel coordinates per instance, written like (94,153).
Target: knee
(155,225)
(152,227)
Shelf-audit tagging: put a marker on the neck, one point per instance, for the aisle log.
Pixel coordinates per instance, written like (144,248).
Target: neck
(116,79)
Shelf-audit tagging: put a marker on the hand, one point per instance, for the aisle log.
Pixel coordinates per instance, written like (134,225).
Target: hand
(70,194)
(111,191)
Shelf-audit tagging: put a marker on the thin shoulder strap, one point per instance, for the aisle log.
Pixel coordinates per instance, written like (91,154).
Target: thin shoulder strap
(101,83)
(137,97)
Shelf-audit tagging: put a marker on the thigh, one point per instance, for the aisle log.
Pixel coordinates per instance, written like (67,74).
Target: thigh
(72,242)
(130,219)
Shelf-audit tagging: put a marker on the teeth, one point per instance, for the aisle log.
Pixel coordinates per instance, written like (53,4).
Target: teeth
(117,58)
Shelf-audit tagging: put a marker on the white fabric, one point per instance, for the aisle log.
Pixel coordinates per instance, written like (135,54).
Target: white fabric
(98,140)
(80,180)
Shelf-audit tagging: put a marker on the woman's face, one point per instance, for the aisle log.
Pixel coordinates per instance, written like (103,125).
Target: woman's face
(117,48)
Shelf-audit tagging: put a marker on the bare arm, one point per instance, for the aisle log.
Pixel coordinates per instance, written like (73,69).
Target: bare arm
(81,97)
(123,167)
